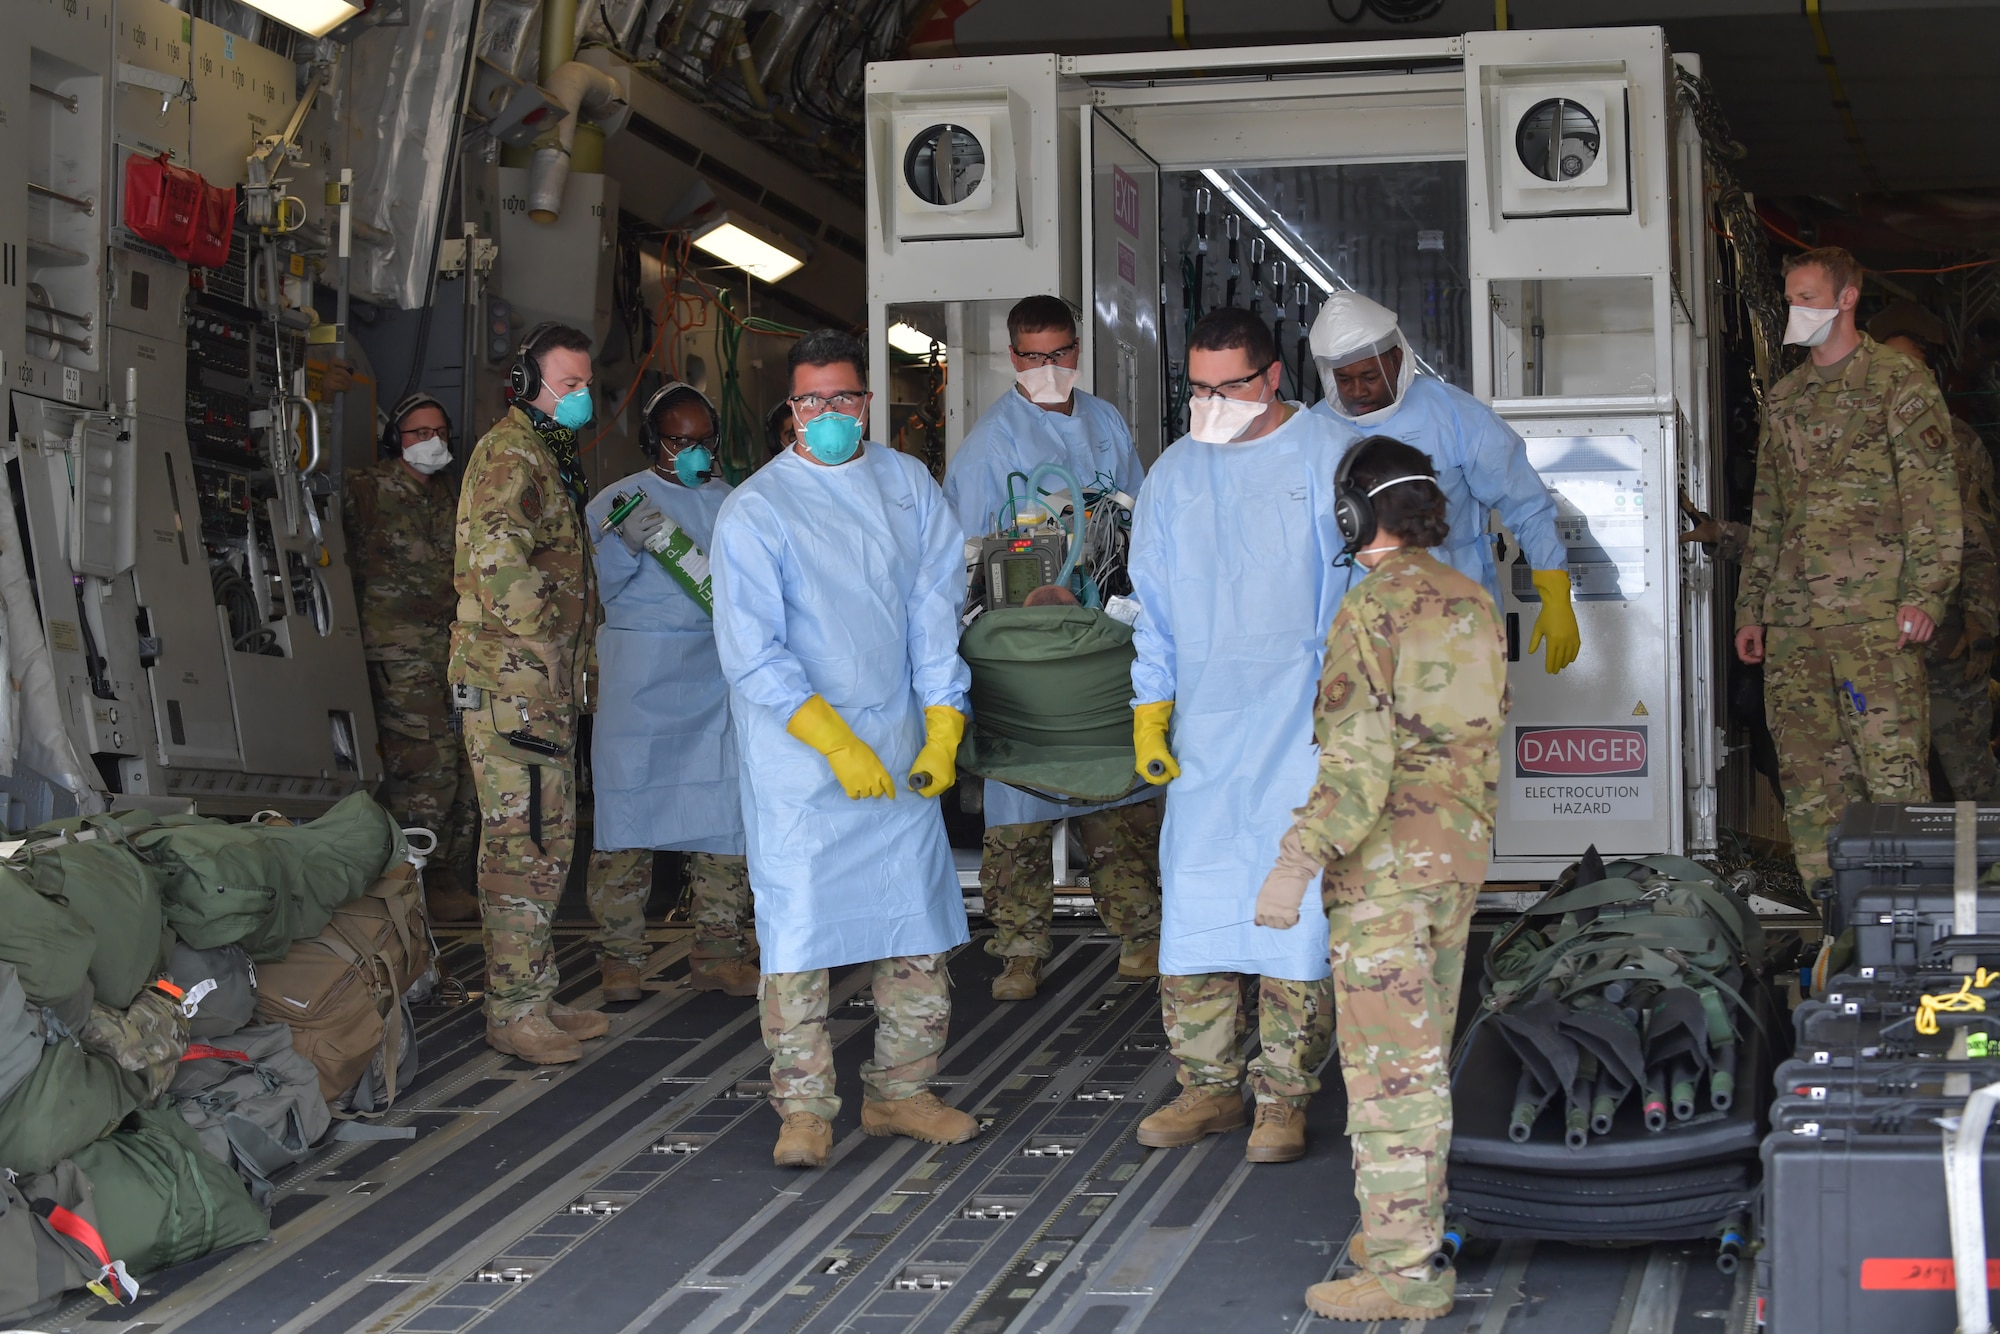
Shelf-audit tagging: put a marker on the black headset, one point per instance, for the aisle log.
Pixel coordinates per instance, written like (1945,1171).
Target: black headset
(524,377)
(1353,508)
(650,443)
(392,430)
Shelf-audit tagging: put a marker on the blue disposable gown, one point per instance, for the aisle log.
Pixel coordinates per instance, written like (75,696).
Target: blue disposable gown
(1482,466)
(662,755)
(844,582)
(1232,561)
(1014,435)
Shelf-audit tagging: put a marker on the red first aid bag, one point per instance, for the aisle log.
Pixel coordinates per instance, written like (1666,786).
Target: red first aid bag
(174,208)
(161,200)
(207,243)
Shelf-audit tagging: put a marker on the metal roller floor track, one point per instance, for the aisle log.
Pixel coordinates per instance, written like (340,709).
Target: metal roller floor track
(634,1191)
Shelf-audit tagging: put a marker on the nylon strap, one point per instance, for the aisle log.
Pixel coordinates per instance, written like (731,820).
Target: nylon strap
(112,1283)
(1965,871)
(201,1051)
(1964,1151)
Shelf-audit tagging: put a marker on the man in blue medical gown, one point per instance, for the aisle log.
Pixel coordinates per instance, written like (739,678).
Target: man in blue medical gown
(1232,557)
(1044,418)
(839,573)
(1372,388)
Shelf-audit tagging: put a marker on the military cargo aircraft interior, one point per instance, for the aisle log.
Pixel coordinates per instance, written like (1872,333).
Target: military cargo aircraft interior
(991,667)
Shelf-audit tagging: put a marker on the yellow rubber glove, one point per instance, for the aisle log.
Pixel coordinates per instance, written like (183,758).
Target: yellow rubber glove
(853,763)
(1151,758)
(936,765)
(1557,622)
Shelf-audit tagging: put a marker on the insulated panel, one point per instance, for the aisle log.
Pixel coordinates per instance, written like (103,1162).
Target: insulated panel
(1125,284)
(1593,756)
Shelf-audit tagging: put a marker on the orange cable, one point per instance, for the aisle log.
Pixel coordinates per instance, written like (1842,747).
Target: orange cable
(1784,235)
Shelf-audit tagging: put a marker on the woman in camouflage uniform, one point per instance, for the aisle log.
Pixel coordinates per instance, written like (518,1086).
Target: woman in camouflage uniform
(1411,702)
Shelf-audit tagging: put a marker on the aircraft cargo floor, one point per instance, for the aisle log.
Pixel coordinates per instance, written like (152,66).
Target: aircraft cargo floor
(634,1191)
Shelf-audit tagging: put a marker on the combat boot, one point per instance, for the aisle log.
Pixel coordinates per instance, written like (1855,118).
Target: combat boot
(924,1117)
(1019,979)
(805,1141)
(731,977)
(1139,961)
(583,1025)
(445,898)
(1279,1135)
(618,978)
(1196,1113)
(534,1039)
(1363,1298)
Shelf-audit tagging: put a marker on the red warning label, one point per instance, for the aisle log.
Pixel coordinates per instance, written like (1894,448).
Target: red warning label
(1884,1275)
(1579,752)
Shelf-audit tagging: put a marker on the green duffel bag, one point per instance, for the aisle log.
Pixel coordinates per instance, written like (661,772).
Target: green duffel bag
(49,943)
(104,880)
(1051,702)
(21,1042)
(161,1199)
(265,885)
(72,1097)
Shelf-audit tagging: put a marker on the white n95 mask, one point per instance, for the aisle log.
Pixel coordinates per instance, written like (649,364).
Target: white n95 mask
(1808,326)
(1217,421)
(427,456)
(1047,384)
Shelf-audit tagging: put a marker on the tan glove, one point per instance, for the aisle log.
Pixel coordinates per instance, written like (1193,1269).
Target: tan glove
(1284,888)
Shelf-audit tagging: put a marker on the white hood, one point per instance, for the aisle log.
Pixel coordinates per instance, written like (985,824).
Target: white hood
(1350,328)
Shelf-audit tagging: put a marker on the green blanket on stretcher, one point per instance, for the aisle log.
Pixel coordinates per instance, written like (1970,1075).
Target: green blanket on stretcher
(1051,702)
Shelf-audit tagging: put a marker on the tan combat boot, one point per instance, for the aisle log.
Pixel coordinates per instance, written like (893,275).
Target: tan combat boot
(619,978)
(731,977)
(805,1141)
(445,898)
(534,1039)
(1363,1298)
(1018,980)
(1139,961)
(923,1117)
(1279,1136)
(583,1025)
(1197,1112)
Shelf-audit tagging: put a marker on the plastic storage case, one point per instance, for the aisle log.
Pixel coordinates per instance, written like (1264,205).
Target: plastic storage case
(1856,1237)
(1883,847)
(1904,928)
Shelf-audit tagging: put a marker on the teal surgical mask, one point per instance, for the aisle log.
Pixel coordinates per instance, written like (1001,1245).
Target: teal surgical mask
(574,409)
(832,437)
(694,465)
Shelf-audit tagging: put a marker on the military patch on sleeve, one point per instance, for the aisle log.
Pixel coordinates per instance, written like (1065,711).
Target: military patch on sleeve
(1932,437)
(531,503)
(1339,691)
(1911,408)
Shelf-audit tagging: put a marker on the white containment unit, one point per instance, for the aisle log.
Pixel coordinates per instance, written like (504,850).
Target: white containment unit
(1531,204)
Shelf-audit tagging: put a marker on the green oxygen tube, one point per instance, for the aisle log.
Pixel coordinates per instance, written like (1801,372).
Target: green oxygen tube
(685,563)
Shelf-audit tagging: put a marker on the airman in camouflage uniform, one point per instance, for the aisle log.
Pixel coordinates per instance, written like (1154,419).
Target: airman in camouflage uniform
(1412,699)
(1855,541)
(1959,658)
(524,641)
(912,1012)
(1122,848)
(718,896)
(399,524)
(1207,1018)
